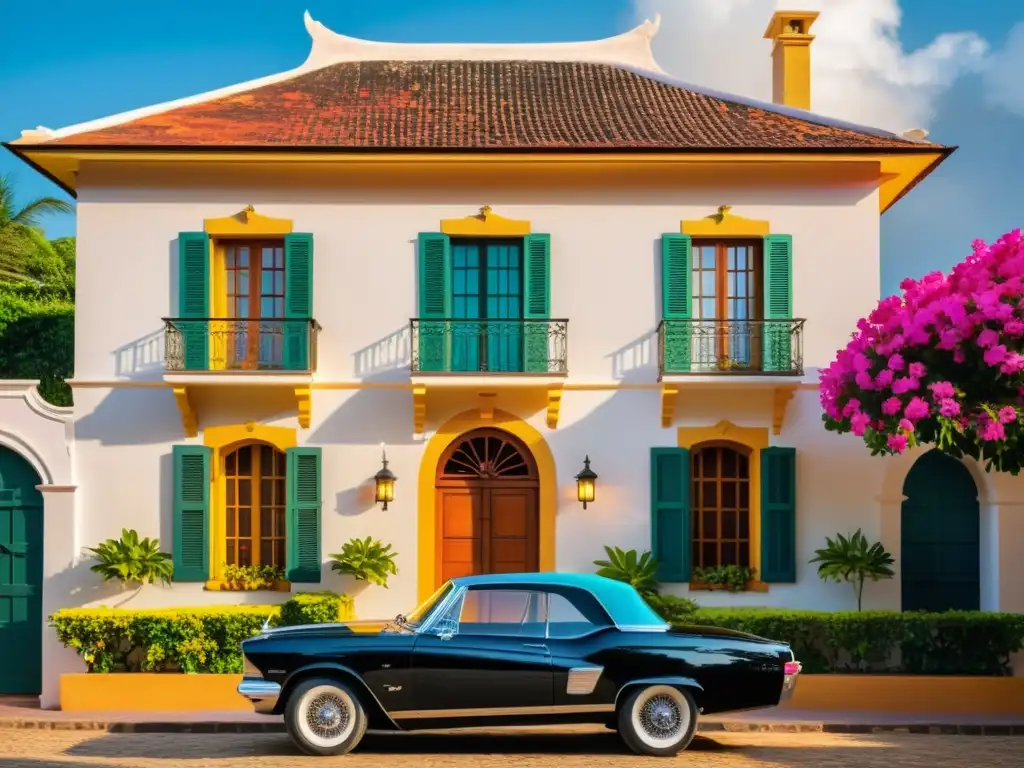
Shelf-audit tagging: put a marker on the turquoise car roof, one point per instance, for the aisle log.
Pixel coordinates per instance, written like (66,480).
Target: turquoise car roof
(623,603)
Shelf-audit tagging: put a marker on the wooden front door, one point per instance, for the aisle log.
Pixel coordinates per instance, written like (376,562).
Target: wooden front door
(488,516)
(21,576)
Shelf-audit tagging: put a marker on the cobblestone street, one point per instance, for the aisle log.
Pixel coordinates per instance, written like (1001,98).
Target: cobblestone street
(593,749)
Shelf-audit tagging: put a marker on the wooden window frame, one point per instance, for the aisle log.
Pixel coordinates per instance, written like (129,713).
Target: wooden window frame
(696,515)
(256,477)
(721,317)
(255,295)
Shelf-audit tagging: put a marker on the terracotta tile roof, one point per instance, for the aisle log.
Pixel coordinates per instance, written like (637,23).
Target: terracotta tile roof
(481,105)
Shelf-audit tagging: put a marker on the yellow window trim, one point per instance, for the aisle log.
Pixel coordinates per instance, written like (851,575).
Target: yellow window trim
(486,223)
(725,224)
(244,224)
(427,514)
(224,439)
(754,438)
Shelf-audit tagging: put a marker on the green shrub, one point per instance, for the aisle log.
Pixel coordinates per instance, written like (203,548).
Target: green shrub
(37,333)
(316,608)
(205,639)
(968,643)
(366,560)
(131,560)
(639,571)
(673,609)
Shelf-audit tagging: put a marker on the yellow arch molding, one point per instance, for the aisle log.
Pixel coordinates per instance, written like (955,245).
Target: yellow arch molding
(486,223)
(754,438)
(224,439)
(724,224)
(427,515)
(247,223)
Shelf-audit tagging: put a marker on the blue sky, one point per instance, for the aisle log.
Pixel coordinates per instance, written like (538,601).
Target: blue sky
(66,61)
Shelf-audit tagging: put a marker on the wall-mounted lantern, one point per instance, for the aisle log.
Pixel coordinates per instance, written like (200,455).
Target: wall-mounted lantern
(385,481)
(585,481)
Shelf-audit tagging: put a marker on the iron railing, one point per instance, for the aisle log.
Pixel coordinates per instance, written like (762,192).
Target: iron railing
(239,345)
(494,346)
(731,347)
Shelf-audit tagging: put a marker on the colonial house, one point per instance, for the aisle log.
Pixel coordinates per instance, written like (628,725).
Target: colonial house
(497,264)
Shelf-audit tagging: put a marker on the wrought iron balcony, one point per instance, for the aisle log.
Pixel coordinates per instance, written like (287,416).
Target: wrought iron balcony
(239,345)
(514,346)
(731,347)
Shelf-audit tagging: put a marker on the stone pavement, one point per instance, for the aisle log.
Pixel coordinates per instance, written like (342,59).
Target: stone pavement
(576,747)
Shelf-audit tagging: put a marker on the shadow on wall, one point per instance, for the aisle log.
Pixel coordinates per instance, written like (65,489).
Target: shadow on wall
(368,417)
(142,359)
(638,361)
(387,359)
(132,417)
(357,500)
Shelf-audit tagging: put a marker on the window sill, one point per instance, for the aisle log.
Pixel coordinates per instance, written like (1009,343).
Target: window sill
(234,586)
(750,586)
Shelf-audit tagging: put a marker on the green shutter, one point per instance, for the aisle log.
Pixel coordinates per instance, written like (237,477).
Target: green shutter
(435,300)
(676,302)
(778,302)
(778,514)
(191,554)
(194,299)
(670,512)
(536,301)
(303,523)
(298,300)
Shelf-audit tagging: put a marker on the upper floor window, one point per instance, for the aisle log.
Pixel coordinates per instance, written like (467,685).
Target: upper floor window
(727,280)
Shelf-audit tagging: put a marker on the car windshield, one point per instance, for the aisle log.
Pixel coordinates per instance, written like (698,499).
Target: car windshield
(422,613)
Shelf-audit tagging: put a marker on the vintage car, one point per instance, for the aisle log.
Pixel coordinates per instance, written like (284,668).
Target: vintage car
(513,649)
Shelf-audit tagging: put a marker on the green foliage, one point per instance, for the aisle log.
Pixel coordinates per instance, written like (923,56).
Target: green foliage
(253,576)
(674,610)
(639,571)
(853,560)
(968,643)
(25,253)
(131,560)
(37,335)
(205,640)
(731,577)
(366,560)
(316,608)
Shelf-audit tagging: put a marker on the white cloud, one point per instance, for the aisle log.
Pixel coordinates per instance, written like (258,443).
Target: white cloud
(860,70)
(1004,86)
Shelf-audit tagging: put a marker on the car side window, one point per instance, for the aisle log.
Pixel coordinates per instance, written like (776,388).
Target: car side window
(565,619)
(514,613)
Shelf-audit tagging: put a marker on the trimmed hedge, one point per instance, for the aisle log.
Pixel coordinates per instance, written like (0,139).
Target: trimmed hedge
(883,642)
(207,639)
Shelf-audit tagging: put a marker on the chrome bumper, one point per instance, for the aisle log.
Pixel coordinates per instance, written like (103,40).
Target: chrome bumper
(262,693)
(791,673)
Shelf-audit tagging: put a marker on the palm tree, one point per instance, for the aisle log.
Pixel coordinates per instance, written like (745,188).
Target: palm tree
(20,233)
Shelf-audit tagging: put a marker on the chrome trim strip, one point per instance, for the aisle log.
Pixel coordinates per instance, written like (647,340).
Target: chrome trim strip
(298,627)
(565,709)
(583,680)
(262,693)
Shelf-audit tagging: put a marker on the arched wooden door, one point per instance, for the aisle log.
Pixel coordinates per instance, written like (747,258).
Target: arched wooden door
(940,564)
(21,575)
(487,508)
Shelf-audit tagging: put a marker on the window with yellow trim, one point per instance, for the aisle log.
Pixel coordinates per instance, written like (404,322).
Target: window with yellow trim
(255,506)
(721,499)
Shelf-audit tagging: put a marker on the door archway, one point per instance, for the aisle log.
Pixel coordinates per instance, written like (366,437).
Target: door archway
(488,516)
(940,566)
(21,575)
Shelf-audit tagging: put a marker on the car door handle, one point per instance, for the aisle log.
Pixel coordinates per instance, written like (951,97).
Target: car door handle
(535,645)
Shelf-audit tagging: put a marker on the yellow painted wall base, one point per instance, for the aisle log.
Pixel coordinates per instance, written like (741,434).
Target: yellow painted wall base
(910,694)
(168,692)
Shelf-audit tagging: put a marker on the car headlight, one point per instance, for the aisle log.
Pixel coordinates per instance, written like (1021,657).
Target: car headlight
(249,669)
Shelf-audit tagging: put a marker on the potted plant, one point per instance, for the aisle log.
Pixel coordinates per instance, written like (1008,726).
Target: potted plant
(733,578)
(131,561)
(641,571)
(253,577)
(854,561)
(366,560)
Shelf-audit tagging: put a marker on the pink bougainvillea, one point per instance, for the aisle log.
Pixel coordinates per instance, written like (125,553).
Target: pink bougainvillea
(943,364)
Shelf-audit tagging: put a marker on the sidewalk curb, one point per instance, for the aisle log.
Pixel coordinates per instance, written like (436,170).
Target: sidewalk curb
(703,727)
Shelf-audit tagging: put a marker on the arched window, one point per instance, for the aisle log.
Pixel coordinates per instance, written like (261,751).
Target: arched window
(255,506)
(720,498)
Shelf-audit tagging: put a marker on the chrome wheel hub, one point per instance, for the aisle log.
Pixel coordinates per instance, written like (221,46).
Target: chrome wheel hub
(327,716)
(661,717)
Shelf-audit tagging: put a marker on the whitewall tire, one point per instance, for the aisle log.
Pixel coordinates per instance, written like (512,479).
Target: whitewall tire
(324,717)
(657,720)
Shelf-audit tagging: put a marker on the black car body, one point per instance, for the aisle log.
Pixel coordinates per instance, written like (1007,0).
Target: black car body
(515,649)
